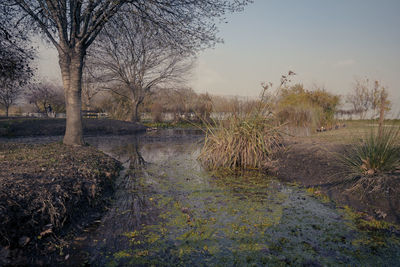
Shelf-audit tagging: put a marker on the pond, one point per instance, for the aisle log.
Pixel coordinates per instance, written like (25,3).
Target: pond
(168,211)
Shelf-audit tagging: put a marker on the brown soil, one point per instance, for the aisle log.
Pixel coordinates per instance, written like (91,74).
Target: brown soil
(315,164)
(45,192)
(16,127)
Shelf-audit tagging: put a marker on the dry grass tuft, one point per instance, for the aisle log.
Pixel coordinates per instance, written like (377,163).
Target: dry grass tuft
(242,142)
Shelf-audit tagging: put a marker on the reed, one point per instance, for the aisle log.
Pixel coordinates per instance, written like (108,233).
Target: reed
(242,142)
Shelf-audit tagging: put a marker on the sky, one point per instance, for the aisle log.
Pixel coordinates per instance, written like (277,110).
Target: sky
(328,43)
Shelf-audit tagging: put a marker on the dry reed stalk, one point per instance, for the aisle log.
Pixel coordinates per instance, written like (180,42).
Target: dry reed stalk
(247,142)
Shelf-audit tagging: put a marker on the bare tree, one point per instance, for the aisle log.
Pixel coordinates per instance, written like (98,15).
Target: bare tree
(15,58)
(179,101)
(15,73)
(43,94)
(184,103)
(131,60)
(360,99)
(90,85)
(368,96)
(380,103)
(10,91)
(72,26)
(203,107)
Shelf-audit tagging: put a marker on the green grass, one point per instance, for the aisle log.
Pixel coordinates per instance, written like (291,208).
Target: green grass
(347,134)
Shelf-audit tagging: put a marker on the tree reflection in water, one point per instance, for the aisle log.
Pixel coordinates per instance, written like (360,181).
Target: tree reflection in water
(130,207)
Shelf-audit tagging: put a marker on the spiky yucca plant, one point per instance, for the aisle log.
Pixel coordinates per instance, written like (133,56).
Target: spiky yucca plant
(375,153)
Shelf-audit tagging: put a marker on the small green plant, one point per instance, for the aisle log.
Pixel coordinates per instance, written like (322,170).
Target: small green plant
(375,153)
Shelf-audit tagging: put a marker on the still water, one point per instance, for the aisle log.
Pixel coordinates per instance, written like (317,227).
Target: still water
(169,211)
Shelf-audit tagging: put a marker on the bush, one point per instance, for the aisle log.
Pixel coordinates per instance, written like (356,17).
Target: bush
(373,154)
(118,107)
(305,108)
(299,115)
(156,112)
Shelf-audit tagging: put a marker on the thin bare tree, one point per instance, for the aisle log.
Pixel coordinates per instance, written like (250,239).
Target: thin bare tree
(43,94)
(360,98)
(131,60)
(15,59)
(90,85)
(368,96)
(72,26)
(15,55)
(10,91)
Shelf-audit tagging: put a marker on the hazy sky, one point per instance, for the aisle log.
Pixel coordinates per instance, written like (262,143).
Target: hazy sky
(327,42)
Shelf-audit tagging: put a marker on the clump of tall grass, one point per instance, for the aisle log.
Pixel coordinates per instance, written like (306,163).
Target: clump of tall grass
(243,141)
(377,152)
(239,143)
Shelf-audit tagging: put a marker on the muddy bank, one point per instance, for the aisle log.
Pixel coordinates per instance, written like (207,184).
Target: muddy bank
(46,193)
(314,164)
(49,127)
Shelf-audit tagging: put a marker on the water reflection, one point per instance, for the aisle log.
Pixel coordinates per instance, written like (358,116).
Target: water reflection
(131,207)
(168,211)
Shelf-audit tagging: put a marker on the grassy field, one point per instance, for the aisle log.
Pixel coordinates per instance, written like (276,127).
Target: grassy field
(353,129)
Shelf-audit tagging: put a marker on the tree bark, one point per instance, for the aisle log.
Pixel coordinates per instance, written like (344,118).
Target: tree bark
(71,64)
(7,111)
(135,116)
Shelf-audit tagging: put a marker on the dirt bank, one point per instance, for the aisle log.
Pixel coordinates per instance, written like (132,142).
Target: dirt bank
(314,163)
(17,127)
(46,193)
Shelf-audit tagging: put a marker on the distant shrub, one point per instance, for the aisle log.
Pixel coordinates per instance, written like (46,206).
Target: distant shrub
(203,107)
(118,107)
(299,115)
(156,112)
(304,108)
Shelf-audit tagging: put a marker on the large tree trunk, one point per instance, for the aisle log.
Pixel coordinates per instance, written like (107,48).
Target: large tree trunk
(71,64)
(7,107)
(135,116)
